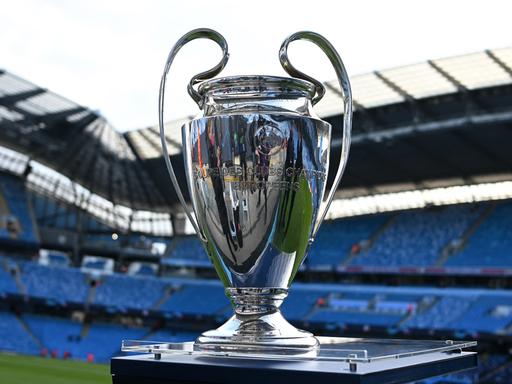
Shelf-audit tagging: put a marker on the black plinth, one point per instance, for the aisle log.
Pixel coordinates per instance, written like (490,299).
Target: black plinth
(173,369)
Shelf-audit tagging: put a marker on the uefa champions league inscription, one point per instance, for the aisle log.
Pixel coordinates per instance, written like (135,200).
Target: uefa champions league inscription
(259,136)
(256,177)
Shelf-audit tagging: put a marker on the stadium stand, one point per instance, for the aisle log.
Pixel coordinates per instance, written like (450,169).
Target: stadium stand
(342,318)
(443,224)
(7,282)
(332,307)
(417,238)
(491,244)
(299,304)
(16,220)
(170,336)
(144,270)
(79,341)
(486,311)
(104,340)
(198,299)
(349,233)
(442,313)
(56,334)
(122,292)
(186,251)
(55,258)
(55,284)
(49,213)
(487,314)
(406,239)
(448,261)
(73,339)
(13,337)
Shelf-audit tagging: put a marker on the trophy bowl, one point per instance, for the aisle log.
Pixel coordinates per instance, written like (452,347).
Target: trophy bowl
(256,162)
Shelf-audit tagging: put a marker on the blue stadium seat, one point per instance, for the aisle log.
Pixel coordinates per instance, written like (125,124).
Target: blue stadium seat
(56,333)
(64,335)
(491,244)
(14,338)
(423,308)
(60,284)
(187,250)
(146,270)
(336,238)
(342,318)
(172,336)
(300,303)
(490,314)
(7,282)
(129,292)
(14,193)
(104,340)
(416,238)
(196,299)
(442,314)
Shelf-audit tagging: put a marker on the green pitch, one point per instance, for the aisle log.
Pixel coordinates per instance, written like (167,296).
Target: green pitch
(27,369)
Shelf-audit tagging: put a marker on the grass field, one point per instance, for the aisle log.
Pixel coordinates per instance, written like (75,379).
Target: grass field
(16,369)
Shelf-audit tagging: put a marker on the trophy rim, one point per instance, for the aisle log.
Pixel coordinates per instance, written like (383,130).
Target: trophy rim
(246,84)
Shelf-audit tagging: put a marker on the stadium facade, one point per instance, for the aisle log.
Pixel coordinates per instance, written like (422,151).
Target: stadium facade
(95,248)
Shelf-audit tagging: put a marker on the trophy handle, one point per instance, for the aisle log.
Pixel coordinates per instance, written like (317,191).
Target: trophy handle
(346,92)
(192,35)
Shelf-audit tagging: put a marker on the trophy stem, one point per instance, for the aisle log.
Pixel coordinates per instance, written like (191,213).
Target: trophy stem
(253,301)
(257,325)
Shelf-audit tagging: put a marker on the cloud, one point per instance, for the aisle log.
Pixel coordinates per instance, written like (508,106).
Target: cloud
(109,55)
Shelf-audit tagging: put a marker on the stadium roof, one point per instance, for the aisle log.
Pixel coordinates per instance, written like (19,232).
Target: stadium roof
(407,84)
(446,119)
(74,141)
(415,125)
(418,81)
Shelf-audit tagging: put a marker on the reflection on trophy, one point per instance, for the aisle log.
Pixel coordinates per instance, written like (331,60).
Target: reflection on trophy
(256,163)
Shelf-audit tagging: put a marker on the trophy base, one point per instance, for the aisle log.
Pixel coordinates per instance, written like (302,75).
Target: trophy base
(257,325)
(269,332)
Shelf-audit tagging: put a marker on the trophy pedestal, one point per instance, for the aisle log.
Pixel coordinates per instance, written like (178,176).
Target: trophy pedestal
(257,333)
(337,360)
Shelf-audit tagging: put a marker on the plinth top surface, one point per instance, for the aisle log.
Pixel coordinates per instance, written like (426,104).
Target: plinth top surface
(361,350)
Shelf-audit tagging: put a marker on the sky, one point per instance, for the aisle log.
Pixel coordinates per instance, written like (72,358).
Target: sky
(109,55)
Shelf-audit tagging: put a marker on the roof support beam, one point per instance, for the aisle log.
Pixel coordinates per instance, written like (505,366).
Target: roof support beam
(141,174)
(417,112)
(460,87)
(169,141)
(128,178)
(371,122)
(499,62)
(471,102)
(15,97)
(145,134)
(72,141)
(51,118)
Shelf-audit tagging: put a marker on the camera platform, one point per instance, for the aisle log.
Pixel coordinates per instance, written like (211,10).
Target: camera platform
(338,360)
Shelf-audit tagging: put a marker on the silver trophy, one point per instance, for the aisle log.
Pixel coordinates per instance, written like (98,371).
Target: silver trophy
(256,163)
